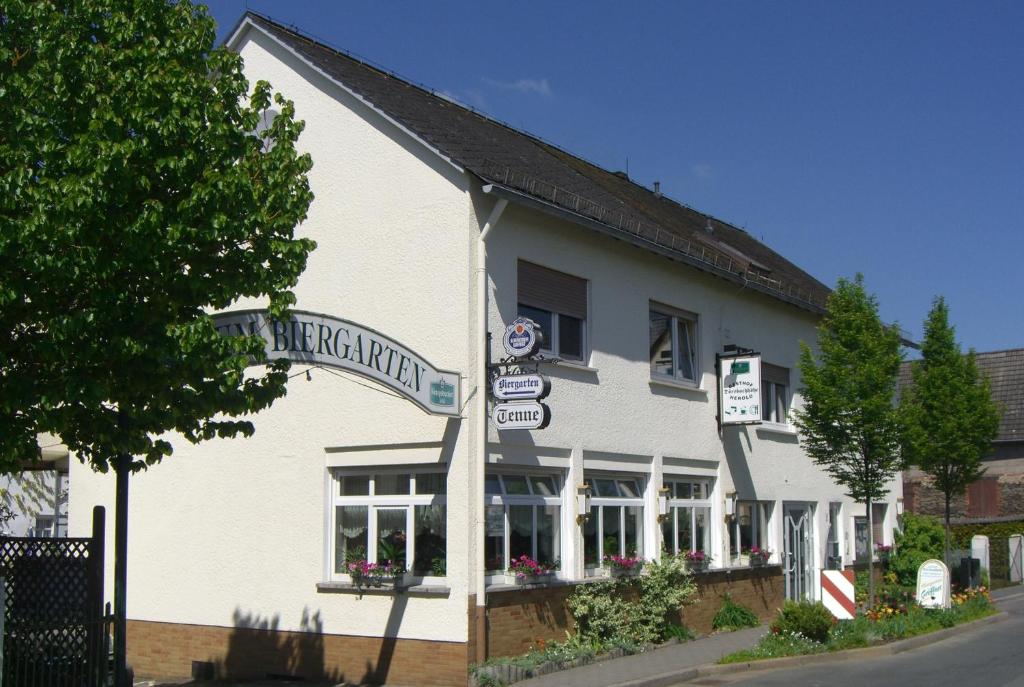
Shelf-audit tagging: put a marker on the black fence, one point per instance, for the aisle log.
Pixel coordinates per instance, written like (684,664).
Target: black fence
(56,630)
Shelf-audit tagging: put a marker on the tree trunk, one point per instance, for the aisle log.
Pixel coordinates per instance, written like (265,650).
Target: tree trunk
(123,471)
(946,556)
(871,554)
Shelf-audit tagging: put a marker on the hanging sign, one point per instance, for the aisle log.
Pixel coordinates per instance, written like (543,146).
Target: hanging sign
(523,415)
(739,389)
(523,338)
(529,387)
(329,341)
(933,584)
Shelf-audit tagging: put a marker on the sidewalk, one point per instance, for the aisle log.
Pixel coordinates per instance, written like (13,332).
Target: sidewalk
(671,662)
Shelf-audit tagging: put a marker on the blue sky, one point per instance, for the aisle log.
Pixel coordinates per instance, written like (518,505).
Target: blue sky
(876,137)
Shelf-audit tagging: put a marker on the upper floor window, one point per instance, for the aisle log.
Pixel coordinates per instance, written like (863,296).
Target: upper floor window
(673,343)
(774,393)
(558,303)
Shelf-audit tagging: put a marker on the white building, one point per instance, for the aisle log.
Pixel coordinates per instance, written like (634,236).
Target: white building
(238,547)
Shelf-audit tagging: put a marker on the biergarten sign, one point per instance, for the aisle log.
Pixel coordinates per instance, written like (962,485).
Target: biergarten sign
(739,389)
(329,341)
(529,387)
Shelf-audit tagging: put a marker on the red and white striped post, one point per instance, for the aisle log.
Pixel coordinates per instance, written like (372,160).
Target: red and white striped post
(837,593)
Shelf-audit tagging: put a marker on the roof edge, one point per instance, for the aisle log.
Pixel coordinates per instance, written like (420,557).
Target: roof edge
(247,22)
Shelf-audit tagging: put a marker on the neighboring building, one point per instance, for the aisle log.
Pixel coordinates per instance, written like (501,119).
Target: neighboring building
(999,494)
(238,548)
(34,503)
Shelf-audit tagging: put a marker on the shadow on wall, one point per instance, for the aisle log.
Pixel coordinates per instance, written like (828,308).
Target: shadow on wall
(258,649)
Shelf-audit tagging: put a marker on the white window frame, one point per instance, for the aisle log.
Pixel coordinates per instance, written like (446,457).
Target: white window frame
(677,506)
(675,315)
(770,411)
(761,513)
(373,503)
(504,499)
(597,513)
(552,339)
(835,527)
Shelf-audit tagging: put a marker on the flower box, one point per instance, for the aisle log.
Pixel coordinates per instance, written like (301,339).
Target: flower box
(697,561)
(622,566)
(542,578)
(525,570)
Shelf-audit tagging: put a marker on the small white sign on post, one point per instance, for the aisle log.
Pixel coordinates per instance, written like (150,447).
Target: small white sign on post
(933,584)
(979,550)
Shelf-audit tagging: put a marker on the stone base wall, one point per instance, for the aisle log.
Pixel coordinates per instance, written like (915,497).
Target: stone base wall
(996,496)
(518,620)
(167,650)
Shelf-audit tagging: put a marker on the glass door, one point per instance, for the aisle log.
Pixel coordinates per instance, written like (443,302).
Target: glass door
(797,558)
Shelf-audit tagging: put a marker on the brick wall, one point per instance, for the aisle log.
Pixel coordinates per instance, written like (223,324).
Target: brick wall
(518,619)
(166,650)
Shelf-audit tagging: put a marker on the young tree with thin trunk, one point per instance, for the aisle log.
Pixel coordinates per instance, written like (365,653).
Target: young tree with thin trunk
(143,184)
(949,417)
(849,423)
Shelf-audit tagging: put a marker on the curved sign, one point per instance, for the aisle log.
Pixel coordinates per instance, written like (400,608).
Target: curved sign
(528,415)
(329,341)
(527,387)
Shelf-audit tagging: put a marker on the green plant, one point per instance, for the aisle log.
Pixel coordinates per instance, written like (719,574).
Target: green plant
(632,611)
(777,646)
(439,567)
(809,619)
(679,633)
(733,616)
(919,538)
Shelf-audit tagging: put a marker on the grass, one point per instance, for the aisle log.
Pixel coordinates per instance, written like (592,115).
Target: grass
(867,630)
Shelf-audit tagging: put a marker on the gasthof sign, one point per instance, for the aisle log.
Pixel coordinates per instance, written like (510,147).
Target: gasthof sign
(739,389)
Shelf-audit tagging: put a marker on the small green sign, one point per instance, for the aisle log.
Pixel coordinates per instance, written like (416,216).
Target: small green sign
(740,368)
(442,394)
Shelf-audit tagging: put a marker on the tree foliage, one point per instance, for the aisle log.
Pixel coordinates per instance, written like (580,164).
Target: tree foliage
(919,538)
(848,423)
(949,417)
(135,197)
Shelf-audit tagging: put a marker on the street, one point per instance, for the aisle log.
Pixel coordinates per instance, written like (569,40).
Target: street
(990,655)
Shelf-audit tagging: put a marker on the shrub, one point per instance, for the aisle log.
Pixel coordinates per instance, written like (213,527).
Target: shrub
(777,646)
(922,537)
(632,611)
(808,619)
(733,616)
(680,633)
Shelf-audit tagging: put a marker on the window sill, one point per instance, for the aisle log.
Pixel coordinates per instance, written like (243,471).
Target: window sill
(676,384)
(383,590)
(775,428)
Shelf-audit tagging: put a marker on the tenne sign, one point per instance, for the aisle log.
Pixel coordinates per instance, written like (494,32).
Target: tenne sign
(530,387)
(739,389)
(933,584)
(333,342)
(521,415)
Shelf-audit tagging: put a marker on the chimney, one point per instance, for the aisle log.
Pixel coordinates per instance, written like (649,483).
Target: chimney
(707,227)
(657,189)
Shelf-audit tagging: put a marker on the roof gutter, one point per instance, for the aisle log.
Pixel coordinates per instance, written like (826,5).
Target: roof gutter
(525,200)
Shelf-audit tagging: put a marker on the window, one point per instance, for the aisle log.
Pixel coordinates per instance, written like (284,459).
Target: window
(774,393)
(673,339)
(522,512)
(749,527)
(686,526)
(878,522)
(396,517)
(615,526)
(860,538)
(833,552)
(557,302)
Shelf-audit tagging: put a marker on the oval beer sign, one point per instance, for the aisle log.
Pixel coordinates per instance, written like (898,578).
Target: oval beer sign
(528,415)
(522,338)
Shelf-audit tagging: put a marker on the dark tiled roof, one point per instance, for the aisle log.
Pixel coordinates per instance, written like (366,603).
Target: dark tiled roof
(1005,371)
(499,154)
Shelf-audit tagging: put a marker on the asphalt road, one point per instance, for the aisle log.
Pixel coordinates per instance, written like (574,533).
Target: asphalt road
(990,656)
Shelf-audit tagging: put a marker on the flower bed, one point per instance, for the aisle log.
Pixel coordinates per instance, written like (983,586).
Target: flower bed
(890,620)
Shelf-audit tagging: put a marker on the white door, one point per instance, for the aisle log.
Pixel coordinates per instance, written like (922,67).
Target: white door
(797,556)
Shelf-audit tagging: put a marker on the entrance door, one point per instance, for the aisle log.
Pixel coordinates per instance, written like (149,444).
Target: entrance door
(797,554)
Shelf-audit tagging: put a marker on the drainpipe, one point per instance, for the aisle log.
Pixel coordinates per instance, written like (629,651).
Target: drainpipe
(481,422)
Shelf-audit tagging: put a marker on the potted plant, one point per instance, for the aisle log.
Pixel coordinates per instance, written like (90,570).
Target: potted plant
(697,560)
(758,556)
(623,566)
(363,573)
(528,571)
(883,551)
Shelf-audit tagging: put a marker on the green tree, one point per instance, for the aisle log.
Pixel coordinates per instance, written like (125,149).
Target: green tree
(949,417)
(849,422)
(136,196)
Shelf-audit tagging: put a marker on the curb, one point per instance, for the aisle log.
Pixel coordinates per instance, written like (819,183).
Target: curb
(890,649)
